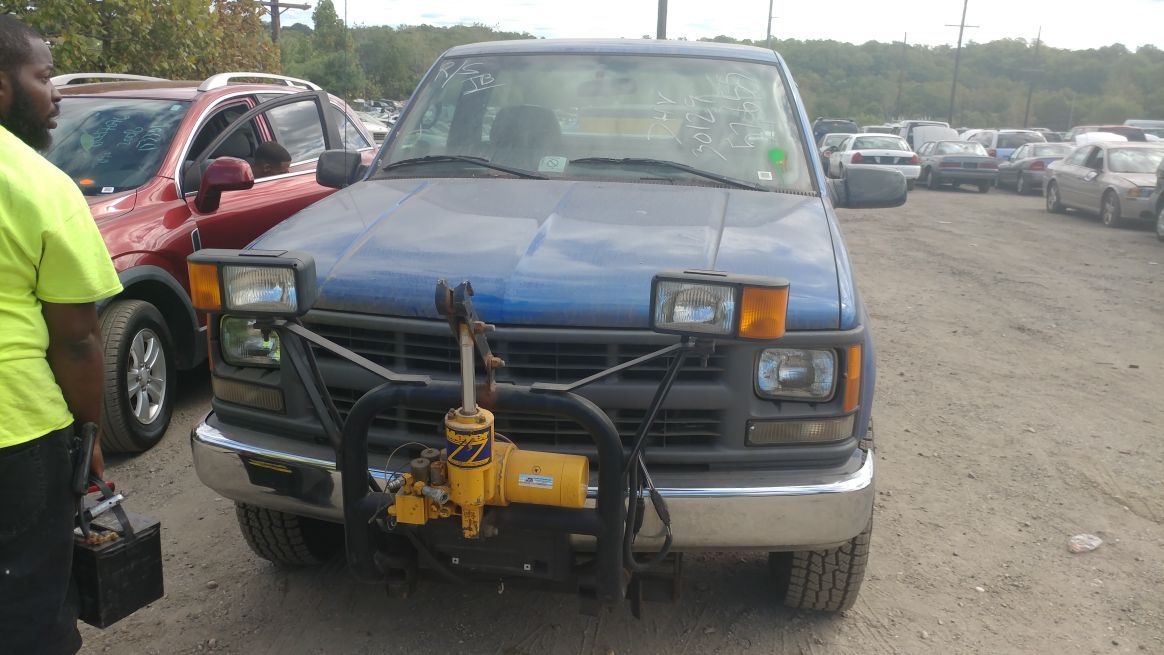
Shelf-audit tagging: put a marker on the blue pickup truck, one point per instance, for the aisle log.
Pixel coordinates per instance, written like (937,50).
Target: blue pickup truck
(560,177)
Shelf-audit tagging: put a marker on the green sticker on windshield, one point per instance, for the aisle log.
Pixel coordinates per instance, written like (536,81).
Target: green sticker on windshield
(776,156)
(87,141)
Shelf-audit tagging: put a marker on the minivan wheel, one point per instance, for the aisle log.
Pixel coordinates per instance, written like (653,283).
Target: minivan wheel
(140,376)
(1053,204)
(1109,212)
(823,580)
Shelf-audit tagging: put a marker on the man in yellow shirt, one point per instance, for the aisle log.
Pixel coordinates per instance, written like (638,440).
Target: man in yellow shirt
(53,267)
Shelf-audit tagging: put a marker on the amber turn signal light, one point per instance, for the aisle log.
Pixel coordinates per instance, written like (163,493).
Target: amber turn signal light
(763,311)
(204,289)
(852,378)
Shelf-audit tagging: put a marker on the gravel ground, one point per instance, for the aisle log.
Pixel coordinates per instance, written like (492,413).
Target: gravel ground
(1021,363)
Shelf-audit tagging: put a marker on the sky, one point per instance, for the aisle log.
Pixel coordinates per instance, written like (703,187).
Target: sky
(1131,22)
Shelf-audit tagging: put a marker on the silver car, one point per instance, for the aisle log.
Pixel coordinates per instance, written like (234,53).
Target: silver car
(1027,166)
(1114,179)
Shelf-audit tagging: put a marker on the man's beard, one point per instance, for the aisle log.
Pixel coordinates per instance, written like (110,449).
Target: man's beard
(25,123)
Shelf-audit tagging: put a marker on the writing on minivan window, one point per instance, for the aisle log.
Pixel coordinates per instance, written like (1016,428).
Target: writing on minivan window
(468,72)
(725,117)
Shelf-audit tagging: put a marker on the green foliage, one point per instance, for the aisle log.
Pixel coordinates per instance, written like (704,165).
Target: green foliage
(1071,87)
(325,55)
(175,39)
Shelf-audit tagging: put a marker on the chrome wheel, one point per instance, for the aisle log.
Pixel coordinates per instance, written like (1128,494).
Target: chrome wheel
(1053,204)
(1110,212)
(145,374)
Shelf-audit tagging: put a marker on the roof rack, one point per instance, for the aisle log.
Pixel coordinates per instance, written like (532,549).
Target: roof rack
(81,78)
(223,79)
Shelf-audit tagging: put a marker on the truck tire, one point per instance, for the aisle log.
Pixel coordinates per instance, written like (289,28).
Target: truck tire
(288,539)
(822,580)
(140,376)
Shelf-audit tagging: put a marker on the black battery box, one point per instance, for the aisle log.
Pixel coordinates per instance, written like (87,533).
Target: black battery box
(120,574)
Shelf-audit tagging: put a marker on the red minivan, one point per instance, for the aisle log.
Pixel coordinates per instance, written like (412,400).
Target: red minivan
(138,148)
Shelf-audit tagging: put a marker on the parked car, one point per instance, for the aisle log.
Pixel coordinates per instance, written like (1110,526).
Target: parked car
(957,163)
(1000,143)
(1115,180)
(1027,165)
(823,126)
(377,128)
(878,129)
(1127,131)
(905,129)
(1157,200)
(1150,127)
(862,150)
(560,229)
(829,144)
(138,150)
(923,134)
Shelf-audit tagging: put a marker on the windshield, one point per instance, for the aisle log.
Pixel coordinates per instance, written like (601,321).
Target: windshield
(1016,139)
(1049,151)
(833,140)
(1134,160)
(879,143)
(542,113)
(112,144)
(956,148)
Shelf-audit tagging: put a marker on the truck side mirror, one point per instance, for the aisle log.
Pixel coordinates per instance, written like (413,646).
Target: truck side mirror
(868,188)
(338,168)
(223,174)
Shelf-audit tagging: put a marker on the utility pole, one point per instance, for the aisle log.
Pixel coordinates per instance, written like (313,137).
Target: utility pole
(769,39)
(1031,88)
(661,28)
(900,76)
(957,57)
(277,8)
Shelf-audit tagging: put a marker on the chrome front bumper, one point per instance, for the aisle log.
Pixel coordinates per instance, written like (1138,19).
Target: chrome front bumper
(743,510)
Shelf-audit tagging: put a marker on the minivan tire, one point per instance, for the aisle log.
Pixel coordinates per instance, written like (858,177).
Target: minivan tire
(140,376)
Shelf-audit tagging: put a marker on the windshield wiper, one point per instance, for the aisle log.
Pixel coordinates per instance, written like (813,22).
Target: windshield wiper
(476,161)
(663,163)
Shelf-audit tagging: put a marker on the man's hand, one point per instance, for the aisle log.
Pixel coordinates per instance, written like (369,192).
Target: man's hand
(97,463)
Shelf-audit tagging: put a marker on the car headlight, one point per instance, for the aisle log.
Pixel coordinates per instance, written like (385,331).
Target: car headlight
(252,282)
(796,374)
(243,344)
(714,304)
(1140,192)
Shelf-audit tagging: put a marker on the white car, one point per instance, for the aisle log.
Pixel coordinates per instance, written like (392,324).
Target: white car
(374,125)
(880,150)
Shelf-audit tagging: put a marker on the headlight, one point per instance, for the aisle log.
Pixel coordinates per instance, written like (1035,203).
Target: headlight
(1140,192)
(796,374)
(243,345)
(714,304)
(252,282)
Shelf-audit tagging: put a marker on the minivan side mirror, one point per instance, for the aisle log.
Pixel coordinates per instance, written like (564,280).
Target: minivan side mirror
(223,174)
(337,169)
(868,188)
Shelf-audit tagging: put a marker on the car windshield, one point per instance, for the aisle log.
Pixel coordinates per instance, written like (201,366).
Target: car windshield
(1134,160)
(833,140)
(879,143)
(112,144)
(1054,150)
(1016,139)
(957,148)
(546,113)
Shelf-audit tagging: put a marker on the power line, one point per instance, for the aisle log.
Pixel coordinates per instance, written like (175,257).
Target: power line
(957,56)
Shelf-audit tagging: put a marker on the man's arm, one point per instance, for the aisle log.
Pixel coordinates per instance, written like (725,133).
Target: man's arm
(74,353)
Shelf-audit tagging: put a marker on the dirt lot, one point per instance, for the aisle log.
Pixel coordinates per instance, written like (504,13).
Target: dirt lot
(1021,371)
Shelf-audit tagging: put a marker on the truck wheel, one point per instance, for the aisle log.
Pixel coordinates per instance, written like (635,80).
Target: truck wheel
(1053,204)
(823,580)
(140,376)
(286,538)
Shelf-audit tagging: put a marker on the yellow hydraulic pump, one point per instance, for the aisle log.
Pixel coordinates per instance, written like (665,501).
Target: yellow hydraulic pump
(476,470)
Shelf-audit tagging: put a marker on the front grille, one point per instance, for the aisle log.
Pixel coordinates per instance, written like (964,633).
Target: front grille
(671,427)
(526,361)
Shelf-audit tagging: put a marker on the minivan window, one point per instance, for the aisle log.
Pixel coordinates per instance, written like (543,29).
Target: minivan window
(298,128)
(113,144)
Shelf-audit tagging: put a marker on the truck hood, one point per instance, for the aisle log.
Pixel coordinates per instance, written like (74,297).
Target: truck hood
(556,253)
